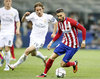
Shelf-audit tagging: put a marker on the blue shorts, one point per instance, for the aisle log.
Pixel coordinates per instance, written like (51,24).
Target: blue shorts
(68,51)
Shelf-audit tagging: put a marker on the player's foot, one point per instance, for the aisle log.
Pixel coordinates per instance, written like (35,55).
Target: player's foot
(11,66)
(13,59)
(42,75)
(75,68)
(6,68)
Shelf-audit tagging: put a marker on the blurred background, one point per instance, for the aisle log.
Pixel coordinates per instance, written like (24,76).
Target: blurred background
(86,12)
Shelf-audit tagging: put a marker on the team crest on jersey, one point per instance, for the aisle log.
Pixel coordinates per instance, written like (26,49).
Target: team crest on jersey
(45,21)
(11,14)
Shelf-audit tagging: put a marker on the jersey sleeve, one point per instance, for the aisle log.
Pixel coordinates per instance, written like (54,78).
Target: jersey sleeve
(51,19)
(17,16)
(30,17)
(79,26)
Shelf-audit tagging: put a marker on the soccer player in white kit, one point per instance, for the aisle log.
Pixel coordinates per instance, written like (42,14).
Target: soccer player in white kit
(8,16)
(40,21)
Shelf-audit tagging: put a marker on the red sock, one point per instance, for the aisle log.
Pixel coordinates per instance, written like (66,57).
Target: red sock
(70,64)
(48,65)
(1,56)
(12,51)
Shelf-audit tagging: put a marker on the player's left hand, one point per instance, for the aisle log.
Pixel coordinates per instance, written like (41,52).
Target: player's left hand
(83,44)
(53,35)
(49,45)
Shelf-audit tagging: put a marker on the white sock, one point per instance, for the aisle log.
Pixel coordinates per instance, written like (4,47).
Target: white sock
(7,57)
(40,55)
(20,60)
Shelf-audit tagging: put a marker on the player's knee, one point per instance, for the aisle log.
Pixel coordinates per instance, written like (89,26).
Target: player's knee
(63,64)
(53,58)
(7,49)
(27,51)
(33,54)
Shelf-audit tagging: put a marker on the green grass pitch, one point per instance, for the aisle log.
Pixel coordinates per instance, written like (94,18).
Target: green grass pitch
(88,67)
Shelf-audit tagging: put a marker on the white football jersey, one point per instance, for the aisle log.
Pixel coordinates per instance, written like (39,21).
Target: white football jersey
(8,19)
(40,25)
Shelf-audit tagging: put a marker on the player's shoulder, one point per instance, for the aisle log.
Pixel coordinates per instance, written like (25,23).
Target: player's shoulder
(48,15)
(1,8)
(13,9)
(33,14)
(70,19)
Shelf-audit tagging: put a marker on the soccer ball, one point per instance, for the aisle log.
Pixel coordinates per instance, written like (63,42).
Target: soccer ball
(60,72)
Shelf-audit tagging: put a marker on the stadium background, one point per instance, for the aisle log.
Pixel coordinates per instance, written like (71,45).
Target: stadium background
(87,12)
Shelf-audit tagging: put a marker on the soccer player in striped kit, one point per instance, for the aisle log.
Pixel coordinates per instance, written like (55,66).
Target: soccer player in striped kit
(69,45)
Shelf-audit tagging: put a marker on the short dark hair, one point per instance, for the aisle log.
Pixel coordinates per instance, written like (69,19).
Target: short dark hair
(59,10)
(38,4)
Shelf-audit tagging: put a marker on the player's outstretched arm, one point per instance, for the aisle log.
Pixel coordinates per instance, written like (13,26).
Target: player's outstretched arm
(24,16)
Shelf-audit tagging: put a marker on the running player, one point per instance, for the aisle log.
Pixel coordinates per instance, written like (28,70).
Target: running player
(40,21)
(69,45)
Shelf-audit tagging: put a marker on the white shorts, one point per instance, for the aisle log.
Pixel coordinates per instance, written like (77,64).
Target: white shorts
(36,44)
(6,40)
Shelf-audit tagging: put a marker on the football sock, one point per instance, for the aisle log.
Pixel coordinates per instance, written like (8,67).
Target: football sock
(21,60)
(7,57)
(48,65)
(70,64)
(40,55)
(1,56)
(12,51)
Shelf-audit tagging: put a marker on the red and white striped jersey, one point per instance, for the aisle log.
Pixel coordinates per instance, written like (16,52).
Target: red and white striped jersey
(70,29)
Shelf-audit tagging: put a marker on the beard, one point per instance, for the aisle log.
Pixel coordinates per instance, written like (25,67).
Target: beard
(61,20)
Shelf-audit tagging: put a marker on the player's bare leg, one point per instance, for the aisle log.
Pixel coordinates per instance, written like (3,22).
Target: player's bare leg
(29,50)
(22,58)
(40,55)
